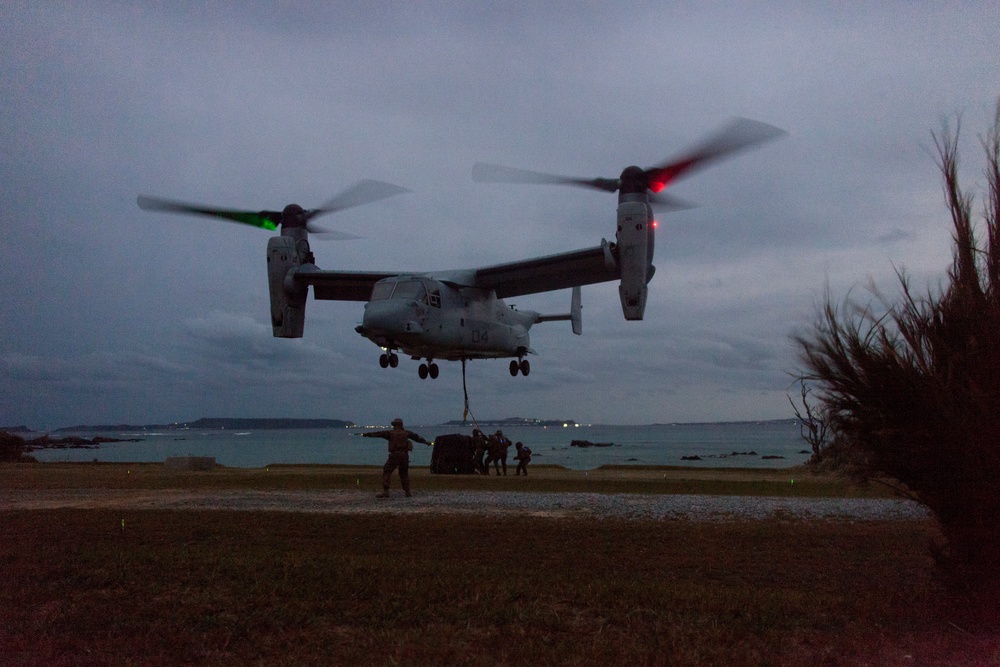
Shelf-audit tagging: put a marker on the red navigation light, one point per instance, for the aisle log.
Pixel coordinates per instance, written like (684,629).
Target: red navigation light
(655,224)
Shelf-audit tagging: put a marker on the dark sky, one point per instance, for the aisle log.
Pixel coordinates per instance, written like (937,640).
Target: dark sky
(112,314)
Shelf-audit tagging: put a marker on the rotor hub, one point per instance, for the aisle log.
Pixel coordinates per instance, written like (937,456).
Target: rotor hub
(634,180)
(294,215)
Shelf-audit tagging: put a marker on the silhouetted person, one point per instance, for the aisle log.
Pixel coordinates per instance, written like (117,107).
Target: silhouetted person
(497,445)
(479,451)
(523,457)
(399,455)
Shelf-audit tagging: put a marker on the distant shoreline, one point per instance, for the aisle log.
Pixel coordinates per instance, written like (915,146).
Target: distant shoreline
(214,423)
(260,424)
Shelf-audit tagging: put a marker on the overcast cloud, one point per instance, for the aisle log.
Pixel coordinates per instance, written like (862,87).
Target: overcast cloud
(113,314)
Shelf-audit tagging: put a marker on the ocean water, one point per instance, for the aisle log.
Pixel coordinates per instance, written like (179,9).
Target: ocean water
(718,445)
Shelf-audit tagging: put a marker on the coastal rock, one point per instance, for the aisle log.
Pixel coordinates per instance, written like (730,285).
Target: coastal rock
(695,457)
(73,442)
(588,443)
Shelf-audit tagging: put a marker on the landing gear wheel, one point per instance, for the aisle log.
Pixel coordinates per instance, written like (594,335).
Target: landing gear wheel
(383,361)
(513,368)
(525,367)
(422,371)
(394,360)
(433,370)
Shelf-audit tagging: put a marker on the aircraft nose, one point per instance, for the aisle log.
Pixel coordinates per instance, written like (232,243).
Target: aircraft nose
(387,317)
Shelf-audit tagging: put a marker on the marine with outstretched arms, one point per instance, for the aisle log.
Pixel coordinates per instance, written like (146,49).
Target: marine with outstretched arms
(399,455)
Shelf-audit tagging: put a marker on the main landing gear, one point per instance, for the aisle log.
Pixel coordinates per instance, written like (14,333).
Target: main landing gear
(523,366)
(428,370)
(390,359)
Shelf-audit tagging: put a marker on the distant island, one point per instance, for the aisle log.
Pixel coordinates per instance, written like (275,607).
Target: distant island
(515,421)
(212,423)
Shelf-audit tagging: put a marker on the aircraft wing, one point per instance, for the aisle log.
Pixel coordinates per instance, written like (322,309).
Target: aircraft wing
(339,285)
(528,276)
(554,272)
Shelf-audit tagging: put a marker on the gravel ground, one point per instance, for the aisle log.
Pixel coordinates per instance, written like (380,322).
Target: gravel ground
(596,505)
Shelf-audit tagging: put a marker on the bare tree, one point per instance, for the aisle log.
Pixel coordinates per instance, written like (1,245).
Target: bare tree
(814,425)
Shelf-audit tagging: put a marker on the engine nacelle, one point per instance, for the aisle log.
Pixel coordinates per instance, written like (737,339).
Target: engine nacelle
(288,303)
(635,256)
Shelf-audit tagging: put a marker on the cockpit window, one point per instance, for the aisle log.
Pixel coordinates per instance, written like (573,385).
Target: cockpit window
(382,290)
(412,290)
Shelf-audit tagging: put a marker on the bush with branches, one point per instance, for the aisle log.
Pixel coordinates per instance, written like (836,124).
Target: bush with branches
(911,388)
(12,447)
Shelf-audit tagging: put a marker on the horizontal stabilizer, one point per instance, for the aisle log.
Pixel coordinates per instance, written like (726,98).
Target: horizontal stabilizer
(574,314)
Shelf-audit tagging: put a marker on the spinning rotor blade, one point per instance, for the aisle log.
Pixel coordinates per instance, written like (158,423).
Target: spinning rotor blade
(739,135)
(331,234)
(665,202)
(496,173)
(362,192)
(262,219)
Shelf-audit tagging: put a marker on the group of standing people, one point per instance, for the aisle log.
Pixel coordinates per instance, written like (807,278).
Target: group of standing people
(493,449)
(400,446)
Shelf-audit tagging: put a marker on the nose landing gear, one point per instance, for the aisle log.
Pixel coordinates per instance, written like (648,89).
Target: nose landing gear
(389,359)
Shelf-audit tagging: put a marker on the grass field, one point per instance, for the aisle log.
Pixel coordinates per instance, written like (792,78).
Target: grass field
(150,587)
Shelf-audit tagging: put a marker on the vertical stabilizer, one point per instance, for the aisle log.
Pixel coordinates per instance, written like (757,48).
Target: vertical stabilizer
(575,309)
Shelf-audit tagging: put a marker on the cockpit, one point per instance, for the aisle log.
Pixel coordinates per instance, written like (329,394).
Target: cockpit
(409,289)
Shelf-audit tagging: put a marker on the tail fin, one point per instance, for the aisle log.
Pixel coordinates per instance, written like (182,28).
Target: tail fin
(575,308)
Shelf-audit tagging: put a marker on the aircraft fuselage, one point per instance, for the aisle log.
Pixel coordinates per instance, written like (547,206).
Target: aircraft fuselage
(433,319)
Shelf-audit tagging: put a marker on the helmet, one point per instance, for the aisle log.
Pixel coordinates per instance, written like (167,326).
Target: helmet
(397,422)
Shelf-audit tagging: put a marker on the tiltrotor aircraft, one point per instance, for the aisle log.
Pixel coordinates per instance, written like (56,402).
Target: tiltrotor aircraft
(461,315)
